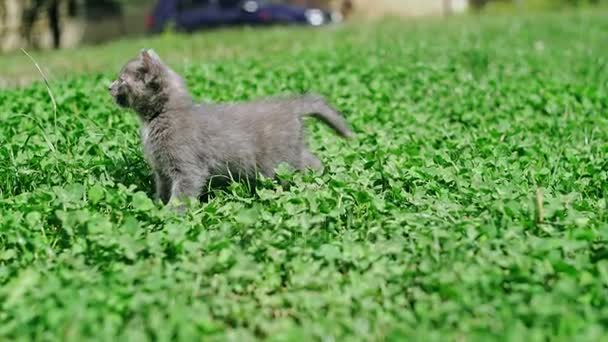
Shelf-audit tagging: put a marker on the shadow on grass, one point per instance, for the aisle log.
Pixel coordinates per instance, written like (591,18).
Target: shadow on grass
(133,170)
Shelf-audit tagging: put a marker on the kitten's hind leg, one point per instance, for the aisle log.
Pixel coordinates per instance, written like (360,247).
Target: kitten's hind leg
(310,161)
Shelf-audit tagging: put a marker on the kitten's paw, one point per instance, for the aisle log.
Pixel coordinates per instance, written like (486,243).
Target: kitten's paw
(177,207)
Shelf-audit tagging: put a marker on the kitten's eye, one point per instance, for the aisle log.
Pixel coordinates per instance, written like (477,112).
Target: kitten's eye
(154,86)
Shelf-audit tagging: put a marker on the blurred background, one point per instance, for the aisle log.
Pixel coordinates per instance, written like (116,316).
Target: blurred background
(47,24)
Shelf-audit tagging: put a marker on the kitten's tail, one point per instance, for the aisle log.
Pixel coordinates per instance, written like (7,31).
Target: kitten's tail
(316,106)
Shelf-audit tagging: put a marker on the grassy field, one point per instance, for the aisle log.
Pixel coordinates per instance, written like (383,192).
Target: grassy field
(471,206)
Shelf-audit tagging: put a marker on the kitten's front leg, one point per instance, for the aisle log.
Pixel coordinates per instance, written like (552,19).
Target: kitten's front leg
(185,187)
(163,187)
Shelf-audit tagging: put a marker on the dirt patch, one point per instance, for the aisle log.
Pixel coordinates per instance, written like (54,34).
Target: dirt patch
(379,8)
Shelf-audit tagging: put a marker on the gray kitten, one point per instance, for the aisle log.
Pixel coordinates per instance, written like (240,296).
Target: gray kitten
(188,144)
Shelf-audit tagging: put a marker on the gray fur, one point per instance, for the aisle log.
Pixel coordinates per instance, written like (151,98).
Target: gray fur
(187,144)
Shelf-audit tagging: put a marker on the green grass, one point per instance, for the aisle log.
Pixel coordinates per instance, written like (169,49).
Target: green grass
(472,205)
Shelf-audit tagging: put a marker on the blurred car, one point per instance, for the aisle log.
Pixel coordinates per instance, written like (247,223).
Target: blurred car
(191,15)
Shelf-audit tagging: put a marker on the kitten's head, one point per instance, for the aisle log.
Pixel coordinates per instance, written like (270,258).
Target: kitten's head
(148,86)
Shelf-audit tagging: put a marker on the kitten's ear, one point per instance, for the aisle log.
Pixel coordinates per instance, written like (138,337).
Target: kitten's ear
(149,56)
(147,59)
(154,55)
(152,66)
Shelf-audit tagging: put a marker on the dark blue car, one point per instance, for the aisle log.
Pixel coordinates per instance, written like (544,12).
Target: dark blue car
(191,15)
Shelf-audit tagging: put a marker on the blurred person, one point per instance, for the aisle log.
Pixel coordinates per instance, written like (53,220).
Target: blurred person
(347,8)
(30,15)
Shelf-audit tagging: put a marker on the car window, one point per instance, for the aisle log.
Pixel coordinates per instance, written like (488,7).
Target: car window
(229,3)
(183,5)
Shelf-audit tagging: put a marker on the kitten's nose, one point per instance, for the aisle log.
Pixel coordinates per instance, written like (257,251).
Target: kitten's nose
(111,85)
